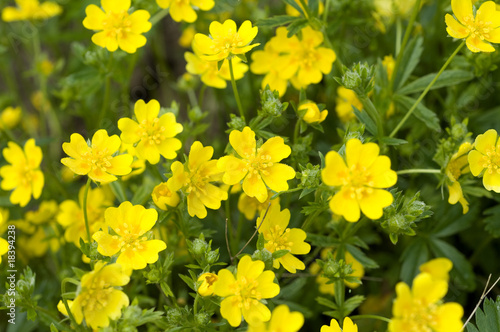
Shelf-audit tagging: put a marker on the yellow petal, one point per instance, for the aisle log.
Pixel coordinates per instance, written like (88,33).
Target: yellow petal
(257,312)
(462,10)
(372,204)
(223,286)
(335,169)
(276,176)
(382,175)
(140,23)
(491,180)
(475,44)
(94,19)
(429,289)
(455,29)
(243,142)
(234,169)
(488,13)
(476,162)
(247,268)
(115,5)
(275,148)
(107,245)
(486,141)
(253,186)
(343,205)
(353,151)
(131,42)
(230,310)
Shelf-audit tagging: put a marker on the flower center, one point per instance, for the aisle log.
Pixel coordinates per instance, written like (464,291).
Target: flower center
(491,160)
(419,316)
(357,182)
(26,176)
(256,165)
(196,183)
(277,239)
(227,44)
(245,292)
(96,296)
(117,24)
(98,159)
(478,29)
(130,241)
(151,132)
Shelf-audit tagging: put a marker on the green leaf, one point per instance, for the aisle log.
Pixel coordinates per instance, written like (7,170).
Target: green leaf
(188,281)
(326,302)
(447,78)
(321,240)
(363,117)
(361,257)
(260,242)
(117,190)
(296,26)
(410,59)
(462,268)
(428,117)
(413,256)
(295,5)
(393,141)
(352,303)
(275,21)
(219,64)
(280,253)
(242,57)
(487,319)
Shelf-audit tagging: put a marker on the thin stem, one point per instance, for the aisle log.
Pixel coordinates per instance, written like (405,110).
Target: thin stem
(399,28)
(107,90)
(417,102)
(296,132)
(195,305)
(485,293)
(409,28)
(384,319)
(254,233)
(85,194)
(235,89)
(159,16)
(227,209)
(202,94)
(419,170)
(65,301)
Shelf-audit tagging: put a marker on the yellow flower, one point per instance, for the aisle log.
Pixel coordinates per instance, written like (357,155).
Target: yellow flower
(116,28)
(208,281)
(421,308)
(225,40)
(348,326)
(138,165)
(242,294)
(163,197)
(156,135)
(257,167)
(477,30)
(282,320)
(324,287)
(70,214)
(291,11)
(46,212)
(10,117)
(313,114)
(361,180)
(130,224)
(392,8)
(195,179)
(97,160)
(23,174)
(187,36)
(4,247)
(182,10)
(210,73)
(438,268)
(346,99)
(31,10)
(278,237)
(486,157)
(249,206)
(457,166)
(98,299)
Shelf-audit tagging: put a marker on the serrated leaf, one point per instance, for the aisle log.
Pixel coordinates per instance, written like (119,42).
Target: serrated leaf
(321,240)
(393,141)
(428,117)
(306,192)
(447,78)
(487,319)
(188,281)
(352,303)
(364,118)
(409,60)
(275,21)
(166,289)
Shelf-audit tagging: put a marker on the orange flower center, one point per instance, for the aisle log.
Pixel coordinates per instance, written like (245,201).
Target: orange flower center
(117,24)
(151,132)
(478,29)
(163,191)
(277,239)
(227,44)
(245,292)
(491,160)
(357,182)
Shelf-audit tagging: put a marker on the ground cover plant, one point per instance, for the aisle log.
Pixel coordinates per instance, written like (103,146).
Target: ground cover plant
(224,165)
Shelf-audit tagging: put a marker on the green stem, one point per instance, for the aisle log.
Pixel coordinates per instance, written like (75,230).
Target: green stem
(419,171)
(410,111)
(85,217)
(65,301)
(202,94)
(398,35)
(107,90)
(195,306)
(310,219)
(296,132)
(235,89)
(227,208)
(339,295)
(409,28)
(384,319)
(159,16)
